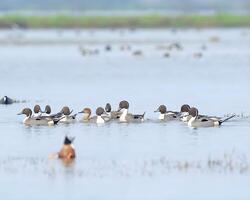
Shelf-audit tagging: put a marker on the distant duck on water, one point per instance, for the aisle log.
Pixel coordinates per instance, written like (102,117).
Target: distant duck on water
(6,100)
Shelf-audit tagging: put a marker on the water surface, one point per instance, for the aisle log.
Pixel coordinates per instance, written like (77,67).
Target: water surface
(135,161)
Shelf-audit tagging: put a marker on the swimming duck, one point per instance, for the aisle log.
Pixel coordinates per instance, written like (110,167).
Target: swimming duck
(6,100)
(127,117)
(101,118)
(166,115)
(37,111)
(111,114)
(30,120)
(197,121)
(87,116)
(185,116)
(47,110)
(67,151)
(67,117)
(184,113)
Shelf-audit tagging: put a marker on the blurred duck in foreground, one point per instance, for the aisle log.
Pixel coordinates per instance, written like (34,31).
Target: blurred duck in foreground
(128,117)
(196,121)
(166,115)
(67,151)
(39,120)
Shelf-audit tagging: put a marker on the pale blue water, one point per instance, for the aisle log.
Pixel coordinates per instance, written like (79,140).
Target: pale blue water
(135,161)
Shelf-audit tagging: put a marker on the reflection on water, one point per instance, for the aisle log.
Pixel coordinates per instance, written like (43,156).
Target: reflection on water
(150,160)
(228,163)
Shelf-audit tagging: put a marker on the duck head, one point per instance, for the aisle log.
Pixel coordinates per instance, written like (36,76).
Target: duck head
(193,112)
(47,109)
(123,105)
(26,111)
(185,108)
(66,111)
(99,111)
(108,108)
(162,109)
(86,113)
(37,109)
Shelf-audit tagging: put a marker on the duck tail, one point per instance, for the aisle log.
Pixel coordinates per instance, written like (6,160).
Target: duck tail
(143,114)
(56,120)
(74,116)
(224,120)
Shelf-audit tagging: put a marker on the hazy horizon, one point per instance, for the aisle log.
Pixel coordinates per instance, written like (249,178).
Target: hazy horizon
(120,5)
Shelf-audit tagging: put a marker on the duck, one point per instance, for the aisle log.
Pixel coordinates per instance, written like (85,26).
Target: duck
(100,118)
(66,115)
(6,100)
(37,111)
(86,117)
(67,151)
(185,116)
(196,121)
(166,115)
(184,113)
(31,120)
(128,117)
(47,111)
(111,114)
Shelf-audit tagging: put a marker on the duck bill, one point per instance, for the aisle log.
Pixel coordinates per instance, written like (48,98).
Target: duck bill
(19,113)
(119,109)
(156,110)
(80,112)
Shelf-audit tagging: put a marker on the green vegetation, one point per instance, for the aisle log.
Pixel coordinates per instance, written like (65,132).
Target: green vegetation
(147,21)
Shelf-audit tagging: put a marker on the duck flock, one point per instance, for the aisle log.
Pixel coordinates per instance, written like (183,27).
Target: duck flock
(187,114)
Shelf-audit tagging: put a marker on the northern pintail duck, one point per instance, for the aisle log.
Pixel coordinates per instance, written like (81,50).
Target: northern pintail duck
(37,111)
(101,118)
(86,116)
(197,121)
(184,113)
(185,116)
(67,117)
(31,120)
(6,100)
(128,117)
(166,115)
(67,151)
(47,110)
(111,114)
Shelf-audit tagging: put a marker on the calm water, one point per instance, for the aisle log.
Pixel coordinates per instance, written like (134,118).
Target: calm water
(135,161)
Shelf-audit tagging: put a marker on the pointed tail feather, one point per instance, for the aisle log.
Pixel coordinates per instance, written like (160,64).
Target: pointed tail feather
(224,120)
(56,120)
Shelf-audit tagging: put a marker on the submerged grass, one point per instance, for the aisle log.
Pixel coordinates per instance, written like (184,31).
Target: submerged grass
(147,21)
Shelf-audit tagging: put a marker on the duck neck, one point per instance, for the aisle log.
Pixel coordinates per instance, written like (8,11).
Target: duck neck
(123,115)
(192,119)
(100,120)
(85,116)
(26,119)
(161,116)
